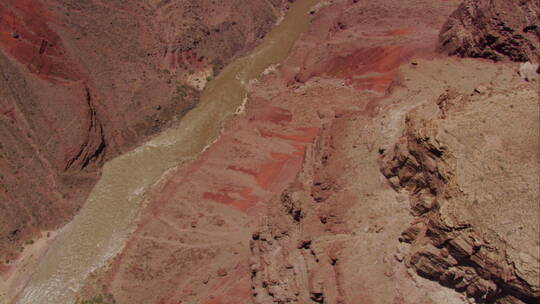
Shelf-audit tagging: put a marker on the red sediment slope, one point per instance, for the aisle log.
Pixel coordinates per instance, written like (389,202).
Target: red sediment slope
(371,68)
(365,68)
(233,174)
(25,34)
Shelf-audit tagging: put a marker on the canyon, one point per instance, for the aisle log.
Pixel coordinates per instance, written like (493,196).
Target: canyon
(384,151)
(86,81)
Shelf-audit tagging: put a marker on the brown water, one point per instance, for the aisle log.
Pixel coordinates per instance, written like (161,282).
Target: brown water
(100,229)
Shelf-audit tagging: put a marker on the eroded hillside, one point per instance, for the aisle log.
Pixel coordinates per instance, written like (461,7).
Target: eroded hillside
(392,157)
(83,81)
(366,168)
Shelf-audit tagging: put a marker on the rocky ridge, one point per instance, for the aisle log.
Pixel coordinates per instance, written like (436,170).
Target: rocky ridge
(494,29)
(449,242)
(465,204)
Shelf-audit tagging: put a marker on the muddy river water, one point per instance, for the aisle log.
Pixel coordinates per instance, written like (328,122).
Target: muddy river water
(100,229)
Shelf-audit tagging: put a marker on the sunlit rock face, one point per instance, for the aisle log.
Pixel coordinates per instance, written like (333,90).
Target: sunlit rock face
(495,30)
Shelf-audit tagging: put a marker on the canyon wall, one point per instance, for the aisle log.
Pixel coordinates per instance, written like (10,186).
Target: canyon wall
(84,81)
(368,167)
(494,29)
(391,158)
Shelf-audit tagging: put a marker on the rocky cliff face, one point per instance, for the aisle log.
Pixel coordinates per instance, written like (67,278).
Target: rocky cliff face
(448,148)
(494,29)
(458,160)
(82,81)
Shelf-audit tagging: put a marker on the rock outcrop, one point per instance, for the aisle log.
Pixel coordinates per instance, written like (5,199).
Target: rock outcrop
(494,29)
(458,161)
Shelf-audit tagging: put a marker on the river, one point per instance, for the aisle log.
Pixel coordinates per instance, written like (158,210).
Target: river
(100,229)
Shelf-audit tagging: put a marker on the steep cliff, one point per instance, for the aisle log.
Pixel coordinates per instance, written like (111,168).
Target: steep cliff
(473,184)
(494,29)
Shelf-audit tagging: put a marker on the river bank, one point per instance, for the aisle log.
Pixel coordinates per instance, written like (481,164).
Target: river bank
(97,233)
(15,275)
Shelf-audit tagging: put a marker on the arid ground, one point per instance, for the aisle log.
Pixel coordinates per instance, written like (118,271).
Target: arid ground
(391,157)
